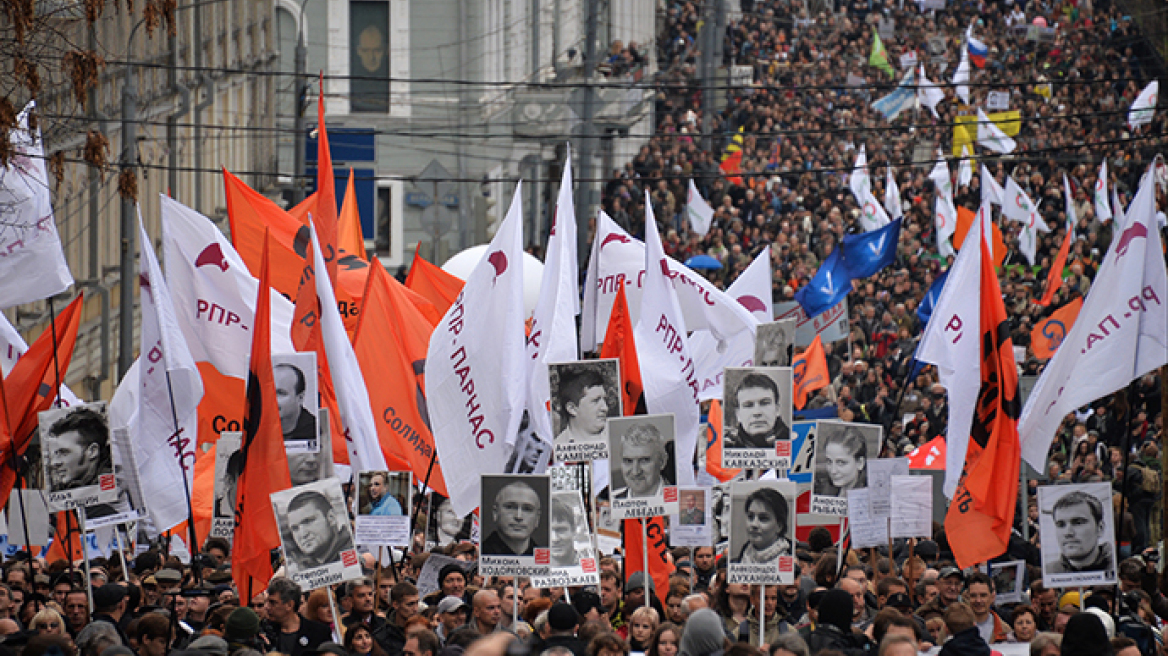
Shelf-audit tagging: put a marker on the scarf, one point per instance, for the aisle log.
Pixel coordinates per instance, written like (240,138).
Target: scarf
(770,554)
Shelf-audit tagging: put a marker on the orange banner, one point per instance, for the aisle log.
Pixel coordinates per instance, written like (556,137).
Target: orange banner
(434,284)
(714,446)
(658,548)
(619,344)
(810,372)
(1048,335)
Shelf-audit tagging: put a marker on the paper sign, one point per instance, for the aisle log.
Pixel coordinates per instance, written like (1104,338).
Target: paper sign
(867,531)
(879,486)
(912,506)
(32,512)
(998,100)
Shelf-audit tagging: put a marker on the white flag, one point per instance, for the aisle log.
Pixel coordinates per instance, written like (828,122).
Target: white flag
(990,189)
(553,325)
(1143,108)
(348,382)
(1069,198)
(1019,207)
(33,265)
(752,290)
(214,293)
(945,210)
(892,196)
(952,343)
(701,215)
(618,256)
(170,389)
(928,93)
(476,376)
(1117,208)
(872,214)
(964,168)
(1120,335)
(667,370)
(990,136)
(961,78)
(1102,206)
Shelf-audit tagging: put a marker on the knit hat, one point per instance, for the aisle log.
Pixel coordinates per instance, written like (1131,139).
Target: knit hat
(212,644)
(703,634)
(447,571)
(836,609)
(1085,635)
(562,617)
(637,581)
(242,625)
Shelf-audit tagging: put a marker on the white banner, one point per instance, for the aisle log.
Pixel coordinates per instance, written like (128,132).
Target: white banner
(831,325)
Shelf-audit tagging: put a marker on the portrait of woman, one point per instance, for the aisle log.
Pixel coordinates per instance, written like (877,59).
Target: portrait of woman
(842,462)
(765,522)
(446,527)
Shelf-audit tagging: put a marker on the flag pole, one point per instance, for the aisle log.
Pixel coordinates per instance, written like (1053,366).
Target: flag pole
(425,484)
(56,362)
(645,556)
(85,555)
(195,547)
(1163,451)
(761,613)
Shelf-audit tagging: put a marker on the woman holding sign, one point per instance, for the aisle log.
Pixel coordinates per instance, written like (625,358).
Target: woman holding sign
(766,528)
(845,460)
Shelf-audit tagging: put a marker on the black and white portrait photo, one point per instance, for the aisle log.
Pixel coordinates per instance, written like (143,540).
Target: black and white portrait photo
(757,417)
(296,396)
(573,556)
(842,453)
(585,395)
(1076,528)
(314,531)
(774,343)
(642,473)
(307,466)
(228,468)
(762,532)
(530,454)
(444,526)
(76,455)
(516,520)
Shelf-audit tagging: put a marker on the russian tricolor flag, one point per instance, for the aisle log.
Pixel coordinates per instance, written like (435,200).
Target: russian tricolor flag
(977,52)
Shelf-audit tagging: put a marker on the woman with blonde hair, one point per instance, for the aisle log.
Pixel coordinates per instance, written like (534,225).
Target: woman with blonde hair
(48,622)
(642,625)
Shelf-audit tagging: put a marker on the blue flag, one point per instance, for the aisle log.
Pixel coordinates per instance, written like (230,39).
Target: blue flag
(925,309)
(859,256)
(902,98)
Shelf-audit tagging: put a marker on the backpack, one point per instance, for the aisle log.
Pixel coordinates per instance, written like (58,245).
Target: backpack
(1151,480)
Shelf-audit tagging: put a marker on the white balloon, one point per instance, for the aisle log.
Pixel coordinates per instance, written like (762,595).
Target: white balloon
(461,264)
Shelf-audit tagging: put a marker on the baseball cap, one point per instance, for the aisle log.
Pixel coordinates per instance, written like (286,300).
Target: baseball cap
(946,572)
(450,604)
(899,600)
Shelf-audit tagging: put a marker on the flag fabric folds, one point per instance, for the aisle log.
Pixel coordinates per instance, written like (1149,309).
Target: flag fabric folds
(928,93)
(349,236)
(977,50)
(752,290)
(731,164)
(990,136)
(929,302)
(33,266)
(878,57)
(892,195)
(1121,332)
(433,284)
(265,463)
(982,511)
(170,390)
(476,376)
(872,214)
(1048,335)
(945,217)
(810,372)
(1143,108)
(657,544)
(1102,203)
(902,98)
(961,77)
(662,348)
(1054,279)
(714,446)
(701,215)
(859,256)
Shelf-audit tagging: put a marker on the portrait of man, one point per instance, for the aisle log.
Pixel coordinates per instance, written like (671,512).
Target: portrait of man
(228,467)
(565,525)
(296,420)
(1080,521)
(517,523)
(692,511)
(315,528)
(369,56)
(306,466)
(586,396)
(531,455)
(757,407)
(76,447)
(773,343)
(640,451)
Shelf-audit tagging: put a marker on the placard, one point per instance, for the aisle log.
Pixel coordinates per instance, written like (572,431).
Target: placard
(762,533)
(841,463)
(912,506)
(880,470)
(1077,530)
(756,418)
(531,454)
(78,464)
(774,343)
(642,482)
(315,534)
(693,525)
(585,395)
(831,325)
(573,556)
(28,509)
(867,530)
(445,527)
(428,577)
(908,60)
(306,466)
(297,400)
(228,468)
(1009,580)
(516,515)
(383,503)
(132,502)
(998,100)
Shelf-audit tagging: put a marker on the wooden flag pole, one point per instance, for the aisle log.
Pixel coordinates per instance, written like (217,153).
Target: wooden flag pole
(85,555)
(1163,460)
(186,486)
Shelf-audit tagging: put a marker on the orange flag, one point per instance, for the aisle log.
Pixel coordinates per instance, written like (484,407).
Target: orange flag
(349,237)
(325,217)
(965,219)
(810,372)
(1054,279)
(390,344)
(714,446)
(434,284)
(66,539)
(265,468)
(1048,335)
(619,344)
(658,547)
(732,166)
(982,510)
(300,212)
(31,387)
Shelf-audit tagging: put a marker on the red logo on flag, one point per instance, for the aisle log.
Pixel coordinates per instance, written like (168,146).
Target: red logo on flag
(786,564)
(783,448)
(107,482)
(543,556)
(670,495)
(588,564)
(349,558)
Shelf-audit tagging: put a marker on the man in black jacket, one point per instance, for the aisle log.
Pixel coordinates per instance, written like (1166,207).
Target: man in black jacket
(403,599)
(562,622)
(283,628)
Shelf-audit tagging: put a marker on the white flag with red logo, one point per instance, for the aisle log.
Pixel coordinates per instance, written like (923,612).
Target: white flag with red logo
(170,389)
(752,290)
(1121,332)
(667,370)
(872,214)
(618,256)
(476,373)
(1102,203)
(32,264)
(946,211)
(701,215)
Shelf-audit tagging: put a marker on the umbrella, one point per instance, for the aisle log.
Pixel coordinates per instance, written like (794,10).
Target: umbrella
(703,262)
